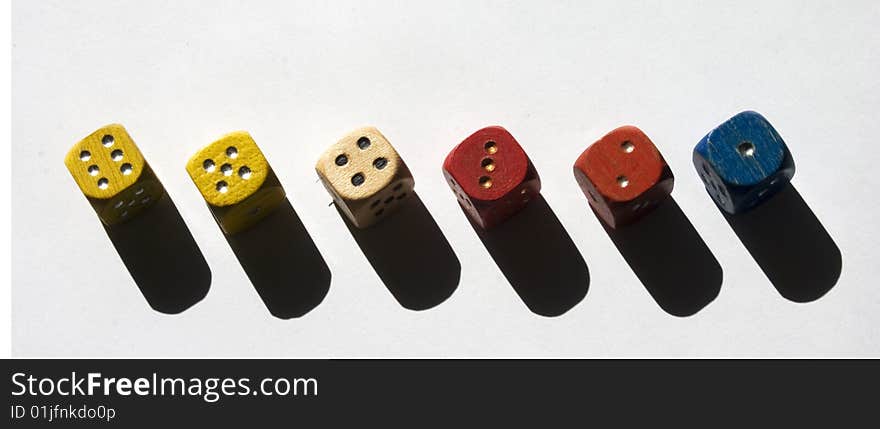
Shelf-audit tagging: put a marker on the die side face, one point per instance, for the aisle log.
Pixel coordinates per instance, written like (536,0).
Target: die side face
(241,216)
(623,176)
(365,175)
(491,176)
(131,201)
(236,181)
(743,162)
(111,172)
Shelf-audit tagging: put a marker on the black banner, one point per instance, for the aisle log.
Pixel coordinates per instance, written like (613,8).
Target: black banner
(200,392)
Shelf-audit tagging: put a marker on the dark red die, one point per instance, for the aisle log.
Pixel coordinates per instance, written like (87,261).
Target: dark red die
(623,176)
(491,175)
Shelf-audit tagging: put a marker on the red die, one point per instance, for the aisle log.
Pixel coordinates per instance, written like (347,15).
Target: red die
(491,175)
(623,176)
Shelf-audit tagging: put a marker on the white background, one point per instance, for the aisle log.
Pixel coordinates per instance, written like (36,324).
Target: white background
(558,75)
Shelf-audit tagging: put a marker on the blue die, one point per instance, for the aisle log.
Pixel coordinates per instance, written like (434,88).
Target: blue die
(743,162)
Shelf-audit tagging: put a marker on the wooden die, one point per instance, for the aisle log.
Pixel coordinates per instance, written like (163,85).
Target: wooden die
(236,181)
(491,176)
(365,176)
(743,162)
(113,174)
(623,175)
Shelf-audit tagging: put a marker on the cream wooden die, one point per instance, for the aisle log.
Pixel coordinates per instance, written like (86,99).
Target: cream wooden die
(365,176)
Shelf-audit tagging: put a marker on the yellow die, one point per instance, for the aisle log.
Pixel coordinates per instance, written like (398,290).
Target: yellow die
(112,173)
(236,181)
(365,176)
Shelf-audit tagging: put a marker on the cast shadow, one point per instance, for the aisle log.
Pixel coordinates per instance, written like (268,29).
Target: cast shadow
(538,258)
(162,257)
(411,255)
(670,259)
(283,263)
(790,245)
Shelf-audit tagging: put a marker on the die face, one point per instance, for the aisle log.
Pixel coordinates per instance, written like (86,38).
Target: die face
(488,164)
(623,176)
(488,213)
(131,201)
(228,170)
(383,203)
(236,181)
(744,150)
(743,162)
(366,176)
(105,162)
(491,176)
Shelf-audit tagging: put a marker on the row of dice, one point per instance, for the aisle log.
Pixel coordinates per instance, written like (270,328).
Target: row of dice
(623,175)
(742,162)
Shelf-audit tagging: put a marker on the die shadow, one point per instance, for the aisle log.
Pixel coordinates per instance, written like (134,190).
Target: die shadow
(670,258)
(162,257)
(538,258)
(790,245)
(411,255)
(283,263)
